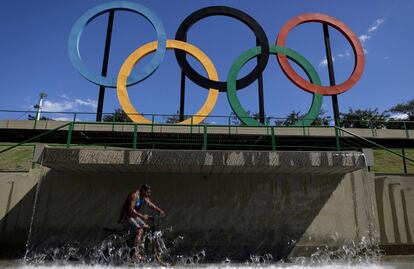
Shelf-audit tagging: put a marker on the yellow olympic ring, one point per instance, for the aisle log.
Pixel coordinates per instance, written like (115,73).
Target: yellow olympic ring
(139,53)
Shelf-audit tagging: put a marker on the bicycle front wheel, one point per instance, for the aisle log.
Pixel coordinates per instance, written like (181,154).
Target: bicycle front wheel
(162,254)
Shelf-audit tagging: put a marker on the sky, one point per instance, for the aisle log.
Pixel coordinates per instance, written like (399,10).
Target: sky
(34,55)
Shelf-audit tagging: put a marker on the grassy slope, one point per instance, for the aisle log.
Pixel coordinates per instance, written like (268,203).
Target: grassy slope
(386,162)
(17,159)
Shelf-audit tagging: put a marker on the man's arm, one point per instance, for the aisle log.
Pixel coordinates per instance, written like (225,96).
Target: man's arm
(133,198)
(153,206)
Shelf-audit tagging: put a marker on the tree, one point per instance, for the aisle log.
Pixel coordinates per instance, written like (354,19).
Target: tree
(31,117)
(255,115)
(174,118)
(118,116)
(294,117)
(405,108)
(234,119)
(290,119)
(402,108)
(321,119)
(364,118)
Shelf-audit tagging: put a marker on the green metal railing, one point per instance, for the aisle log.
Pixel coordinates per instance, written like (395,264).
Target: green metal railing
(229,120)
(38,136)
(369,142)
(71,128)
(341,141)
(202,129)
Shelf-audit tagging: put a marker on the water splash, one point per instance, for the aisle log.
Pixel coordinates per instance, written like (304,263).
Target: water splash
(115,250)
(192,260)
(365,251)
(17,264)
(258,259)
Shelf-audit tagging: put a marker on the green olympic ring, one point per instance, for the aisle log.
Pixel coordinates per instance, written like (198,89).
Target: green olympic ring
(291,54)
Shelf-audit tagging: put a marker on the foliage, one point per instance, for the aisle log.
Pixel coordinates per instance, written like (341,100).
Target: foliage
(118,116)
(31,117)
(406,108)
(293,117)
(364,118)
(402,108)
(321,119)
(399,124)
(236,121)
(290,119)
(174,118)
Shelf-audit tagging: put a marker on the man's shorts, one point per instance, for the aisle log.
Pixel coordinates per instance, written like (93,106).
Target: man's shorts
(135,223)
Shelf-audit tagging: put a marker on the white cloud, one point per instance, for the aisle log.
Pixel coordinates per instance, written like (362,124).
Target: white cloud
(400,116)
(87,102)
(376,24)
(364,38)
(68,104)
(56,106)
(368,34)
(345,55)
(324,62)
(64,96)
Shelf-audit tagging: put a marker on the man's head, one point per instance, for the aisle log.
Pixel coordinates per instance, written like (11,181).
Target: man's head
(145,190)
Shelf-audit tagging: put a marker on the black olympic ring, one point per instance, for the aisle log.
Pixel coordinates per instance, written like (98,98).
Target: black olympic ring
(236,14)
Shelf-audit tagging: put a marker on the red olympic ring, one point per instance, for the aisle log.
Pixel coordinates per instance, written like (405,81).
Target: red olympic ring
(341,27)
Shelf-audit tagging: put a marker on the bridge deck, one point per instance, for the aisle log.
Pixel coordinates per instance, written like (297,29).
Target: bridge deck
(191,137)
(213,129)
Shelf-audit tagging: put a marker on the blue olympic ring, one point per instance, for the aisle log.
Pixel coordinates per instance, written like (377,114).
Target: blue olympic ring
(87,17)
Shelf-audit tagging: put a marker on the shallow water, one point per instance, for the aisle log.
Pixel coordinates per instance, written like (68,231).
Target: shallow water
(379,265)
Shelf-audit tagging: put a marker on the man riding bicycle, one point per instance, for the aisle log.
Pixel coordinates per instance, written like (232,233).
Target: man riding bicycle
(132,215)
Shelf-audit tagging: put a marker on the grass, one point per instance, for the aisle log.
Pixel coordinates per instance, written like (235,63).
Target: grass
(20,159)
(17,159)
(386,162)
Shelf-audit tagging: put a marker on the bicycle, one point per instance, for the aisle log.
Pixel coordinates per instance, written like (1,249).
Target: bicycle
(118,247)
(154,242)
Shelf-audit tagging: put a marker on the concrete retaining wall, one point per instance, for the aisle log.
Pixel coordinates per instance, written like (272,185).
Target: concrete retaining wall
(230,215)
(394,200)
(17,193)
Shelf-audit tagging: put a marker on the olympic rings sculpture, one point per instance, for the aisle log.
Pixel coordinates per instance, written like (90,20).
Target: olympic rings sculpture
(127,78)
